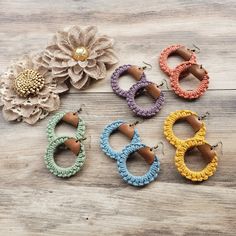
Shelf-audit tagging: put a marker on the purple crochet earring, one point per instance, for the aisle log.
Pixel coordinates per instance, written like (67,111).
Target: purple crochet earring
(143,84)
(154,91)
(136,72)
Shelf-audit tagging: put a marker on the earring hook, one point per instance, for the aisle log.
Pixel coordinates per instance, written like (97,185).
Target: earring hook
(134,123)
(157,146)
(164,81)
(196,49)
(217,144)
(147,66)
(204,116)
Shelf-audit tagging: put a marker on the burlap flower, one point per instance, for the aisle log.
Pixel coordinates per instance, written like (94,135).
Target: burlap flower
(28,92)
(79,55)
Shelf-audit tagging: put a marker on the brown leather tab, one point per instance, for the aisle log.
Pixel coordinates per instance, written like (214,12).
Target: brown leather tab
(153,90)
(194,122)
(147,154)
(73,145)
(206,151)
(198,71)
(184,52)
(71,118)
(127,130)
(135,72)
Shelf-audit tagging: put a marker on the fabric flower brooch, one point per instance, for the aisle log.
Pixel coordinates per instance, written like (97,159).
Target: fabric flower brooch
(30,89)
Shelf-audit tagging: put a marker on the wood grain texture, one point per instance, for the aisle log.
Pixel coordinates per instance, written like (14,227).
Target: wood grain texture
(96,201)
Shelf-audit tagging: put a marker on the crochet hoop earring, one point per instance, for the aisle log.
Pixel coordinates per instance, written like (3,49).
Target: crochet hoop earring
(190,117)
(71,118)
(75,146)
(123,128)
(136,72)
(197,71)
(157,95)
(178,49)
(206,151)
(150,176)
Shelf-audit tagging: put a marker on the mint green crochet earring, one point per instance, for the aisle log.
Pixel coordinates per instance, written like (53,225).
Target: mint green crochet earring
(72,143)
(71,118)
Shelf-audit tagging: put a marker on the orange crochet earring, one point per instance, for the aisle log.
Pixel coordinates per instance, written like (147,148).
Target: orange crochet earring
(182,70)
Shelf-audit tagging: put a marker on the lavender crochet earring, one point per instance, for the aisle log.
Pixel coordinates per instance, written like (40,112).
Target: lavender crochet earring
(143,84)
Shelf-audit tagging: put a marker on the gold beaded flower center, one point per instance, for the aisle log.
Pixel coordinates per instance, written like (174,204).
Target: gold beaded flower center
(28,82)
(80,54)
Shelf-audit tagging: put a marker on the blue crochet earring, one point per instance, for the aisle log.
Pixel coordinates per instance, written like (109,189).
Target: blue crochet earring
(152,173)
(122,156)
(124,128)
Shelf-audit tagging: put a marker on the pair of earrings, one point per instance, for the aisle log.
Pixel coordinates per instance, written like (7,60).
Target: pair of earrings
(142,83)
(197,141)
(189,66)
(147,153)
(121,156)
(72,143)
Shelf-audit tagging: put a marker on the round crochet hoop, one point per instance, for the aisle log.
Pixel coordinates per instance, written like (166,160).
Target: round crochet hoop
(166,53)
(104,139)
(150,176)
(80,131)
(170,121)
(205,173)
(174,81)
(63,171)
(115,77)
(143,112)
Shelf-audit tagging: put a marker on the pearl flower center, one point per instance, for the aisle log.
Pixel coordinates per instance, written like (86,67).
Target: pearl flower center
(28,82)
(80,54)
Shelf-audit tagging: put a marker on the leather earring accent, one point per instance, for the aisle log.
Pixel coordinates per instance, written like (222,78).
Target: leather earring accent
(122,156)
(74,144)
(143,84)
(182,70)
(197,141)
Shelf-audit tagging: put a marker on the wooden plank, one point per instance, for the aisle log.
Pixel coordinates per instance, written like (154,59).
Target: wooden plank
(97,201)
(143,31)
(35,201)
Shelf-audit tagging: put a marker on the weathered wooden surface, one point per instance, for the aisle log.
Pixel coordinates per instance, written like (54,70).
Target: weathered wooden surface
(97,201)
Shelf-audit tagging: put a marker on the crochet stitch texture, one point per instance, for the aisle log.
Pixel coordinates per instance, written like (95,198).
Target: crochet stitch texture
(122,156)
(183,145)
(55,142)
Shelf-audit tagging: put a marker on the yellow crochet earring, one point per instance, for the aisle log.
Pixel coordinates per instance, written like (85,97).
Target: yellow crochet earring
(197,141)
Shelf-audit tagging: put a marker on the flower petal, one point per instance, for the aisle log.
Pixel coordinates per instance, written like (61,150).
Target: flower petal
(108,58)
(83,64)
(102,43)
(73,76)
(77,69)
(89,35)
(82,82)
(61,55)
(74,35)
(33,118)
(61,88)
(96,72)
(10,115)
(52,103)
